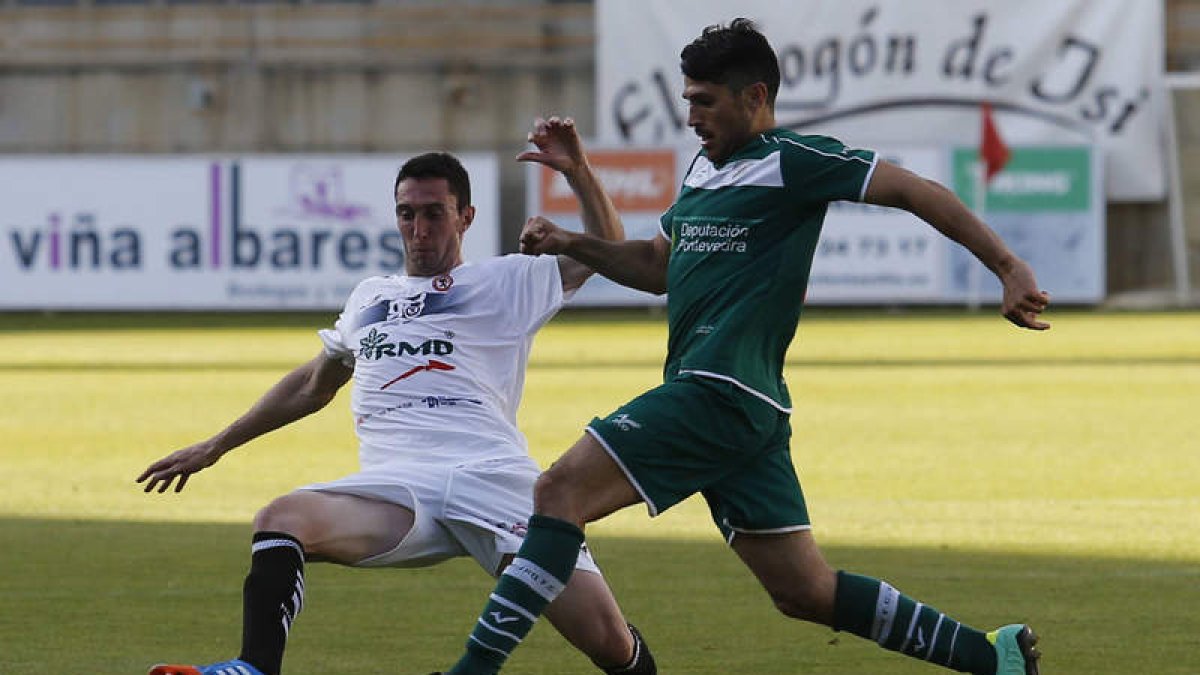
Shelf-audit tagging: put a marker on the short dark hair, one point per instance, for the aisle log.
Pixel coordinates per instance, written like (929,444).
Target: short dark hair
(736,55)
(438,165)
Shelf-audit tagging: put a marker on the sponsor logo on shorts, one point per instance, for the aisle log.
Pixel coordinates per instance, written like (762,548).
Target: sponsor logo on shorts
(625,423)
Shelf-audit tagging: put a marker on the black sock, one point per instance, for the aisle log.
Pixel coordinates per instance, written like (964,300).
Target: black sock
(642,662)
(271,598)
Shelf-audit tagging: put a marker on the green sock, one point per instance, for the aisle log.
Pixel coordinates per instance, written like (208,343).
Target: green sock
(538,573)
(872,609)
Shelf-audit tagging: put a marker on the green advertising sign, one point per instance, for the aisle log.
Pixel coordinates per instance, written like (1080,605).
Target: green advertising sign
(1035,179)
(1047,205)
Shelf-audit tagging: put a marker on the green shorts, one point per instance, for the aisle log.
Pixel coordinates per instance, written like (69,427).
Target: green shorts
(697,434)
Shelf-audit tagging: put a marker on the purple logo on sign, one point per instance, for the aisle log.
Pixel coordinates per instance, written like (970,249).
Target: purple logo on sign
(318,192)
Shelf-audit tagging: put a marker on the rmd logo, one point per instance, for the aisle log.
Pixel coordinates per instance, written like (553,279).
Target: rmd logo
(318,227)
(375,346)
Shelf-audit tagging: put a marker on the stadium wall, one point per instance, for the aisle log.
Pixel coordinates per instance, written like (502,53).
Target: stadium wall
(95,76)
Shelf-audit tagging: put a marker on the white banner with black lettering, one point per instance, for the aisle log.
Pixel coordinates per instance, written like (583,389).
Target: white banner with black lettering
(1080,72)
(257,232)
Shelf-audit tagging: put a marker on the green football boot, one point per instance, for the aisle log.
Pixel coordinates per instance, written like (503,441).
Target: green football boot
(1015,653)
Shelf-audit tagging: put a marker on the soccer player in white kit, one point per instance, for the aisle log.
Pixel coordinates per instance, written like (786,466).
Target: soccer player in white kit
(437,359)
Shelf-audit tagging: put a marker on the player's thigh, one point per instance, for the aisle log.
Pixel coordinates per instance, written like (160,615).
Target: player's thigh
(584,484)
(337,527)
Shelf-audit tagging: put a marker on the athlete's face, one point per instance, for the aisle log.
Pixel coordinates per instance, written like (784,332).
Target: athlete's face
(431,224)
(723,120)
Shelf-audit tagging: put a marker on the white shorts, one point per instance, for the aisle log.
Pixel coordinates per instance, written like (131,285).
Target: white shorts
(478,508)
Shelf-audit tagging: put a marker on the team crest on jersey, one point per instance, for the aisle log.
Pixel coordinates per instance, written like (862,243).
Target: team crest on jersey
(442,283)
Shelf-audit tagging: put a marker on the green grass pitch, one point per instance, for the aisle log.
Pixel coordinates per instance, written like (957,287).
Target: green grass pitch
(999,475)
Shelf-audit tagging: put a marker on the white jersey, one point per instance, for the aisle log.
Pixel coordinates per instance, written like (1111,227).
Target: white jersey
(439,362)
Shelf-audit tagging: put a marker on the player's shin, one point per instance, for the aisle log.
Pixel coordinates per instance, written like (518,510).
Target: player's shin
(534,578)
(872,609)
(271,598)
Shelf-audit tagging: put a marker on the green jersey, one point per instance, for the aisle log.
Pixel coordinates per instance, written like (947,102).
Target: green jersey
(743,234)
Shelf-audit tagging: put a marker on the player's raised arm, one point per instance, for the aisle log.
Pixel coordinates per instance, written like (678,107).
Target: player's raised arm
(301,392)
(1023,301)
(560,148)
(638,263)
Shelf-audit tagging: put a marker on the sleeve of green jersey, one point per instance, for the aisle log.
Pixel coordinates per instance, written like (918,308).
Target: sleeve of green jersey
(664,223)
(822,169)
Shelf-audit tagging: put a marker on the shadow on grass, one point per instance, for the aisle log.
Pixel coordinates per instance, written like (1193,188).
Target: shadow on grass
(118,596)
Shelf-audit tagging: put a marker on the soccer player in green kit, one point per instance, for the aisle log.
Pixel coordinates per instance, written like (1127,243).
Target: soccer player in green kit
(734,256)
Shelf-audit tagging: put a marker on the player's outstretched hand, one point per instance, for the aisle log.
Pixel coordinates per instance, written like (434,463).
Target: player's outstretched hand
(178,466)
(558,145)
(541,236)
(1023,302)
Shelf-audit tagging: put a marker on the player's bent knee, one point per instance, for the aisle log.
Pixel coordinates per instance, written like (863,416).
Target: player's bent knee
(552,495)
(284,514)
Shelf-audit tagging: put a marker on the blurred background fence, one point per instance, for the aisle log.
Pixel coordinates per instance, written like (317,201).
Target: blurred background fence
(374,76)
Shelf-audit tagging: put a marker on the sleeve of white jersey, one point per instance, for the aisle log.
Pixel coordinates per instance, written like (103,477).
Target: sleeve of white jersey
(533,288)
(336,340)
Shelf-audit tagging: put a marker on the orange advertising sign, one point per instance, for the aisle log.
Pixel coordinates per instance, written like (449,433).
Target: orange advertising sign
(637,180)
